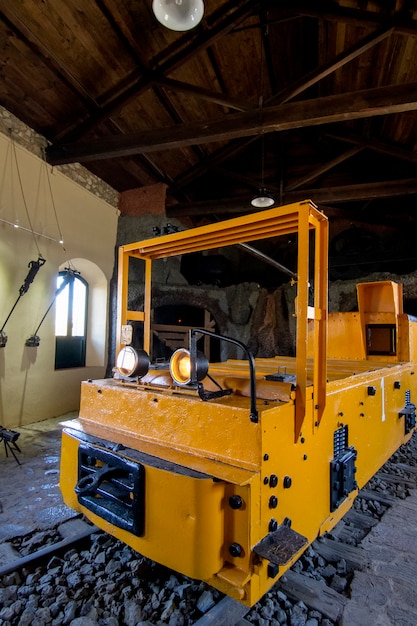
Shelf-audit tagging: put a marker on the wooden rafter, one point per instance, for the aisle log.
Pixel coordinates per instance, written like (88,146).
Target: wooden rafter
(338,108)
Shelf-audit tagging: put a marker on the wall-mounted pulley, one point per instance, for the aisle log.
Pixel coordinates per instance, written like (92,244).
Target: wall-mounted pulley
(34,267)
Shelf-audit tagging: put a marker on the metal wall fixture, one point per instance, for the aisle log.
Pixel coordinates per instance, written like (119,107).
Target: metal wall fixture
(34,267)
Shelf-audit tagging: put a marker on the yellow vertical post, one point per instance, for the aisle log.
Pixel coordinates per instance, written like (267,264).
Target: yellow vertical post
(320,317)
(301,313)
(122,292)
(147,307)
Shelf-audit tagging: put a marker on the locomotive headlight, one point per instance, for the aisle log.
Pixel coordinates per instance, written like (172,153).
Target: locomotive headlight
(132,363)
(184,370)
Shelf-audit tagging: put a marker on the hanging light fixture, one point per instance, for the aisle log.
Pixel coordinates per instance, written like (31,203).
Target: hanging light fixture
(263,198)
(179,15)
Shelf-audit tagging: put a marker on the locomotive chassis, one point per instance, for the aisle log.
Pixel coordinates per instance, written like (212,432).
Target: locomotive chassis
(232,488)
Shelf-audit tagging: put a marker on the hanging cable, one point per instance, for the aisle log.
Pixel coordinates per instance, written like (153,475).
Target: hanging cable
(3,177)
(24,200)
(48,180)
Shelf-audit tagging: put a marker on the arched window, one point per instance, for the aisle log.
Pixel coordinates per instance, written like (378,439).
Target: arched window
(70,320)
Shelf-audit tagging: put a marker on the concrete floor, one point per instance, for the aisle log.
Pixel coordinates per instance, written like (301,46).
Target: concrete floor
(30,498)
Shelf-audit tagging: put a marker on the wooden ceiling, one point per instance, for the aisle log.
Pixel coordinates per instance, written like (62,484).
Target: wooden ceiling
(309,99)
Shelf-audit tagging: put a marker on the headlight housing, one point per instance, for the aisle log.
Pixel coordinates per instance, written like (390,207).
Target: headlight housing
(184,370)
(131,363)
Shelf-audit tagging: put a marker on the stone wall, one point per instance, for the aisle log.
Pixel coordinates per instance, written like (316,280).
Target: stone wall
(29,139)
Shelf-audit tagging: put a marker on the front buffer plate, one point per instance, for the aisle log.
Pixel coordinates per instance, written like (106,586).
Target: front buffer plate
(112,486)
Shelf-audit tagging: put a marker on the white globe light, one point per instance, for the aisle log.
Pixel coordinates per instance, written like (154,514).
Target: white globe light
(179,15)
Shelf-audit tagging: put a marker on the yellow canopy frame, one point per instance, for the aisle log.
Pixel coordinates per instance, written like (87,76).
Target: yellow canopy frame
(301,218)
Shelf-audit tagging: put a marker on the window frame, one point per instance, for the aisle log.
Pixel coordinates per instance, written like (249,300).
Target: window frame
(70,350)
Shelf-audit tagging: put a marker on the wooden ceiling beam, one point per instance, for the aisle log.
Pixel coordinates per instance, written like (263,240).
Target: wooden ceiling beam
(326,69)
(336,108)
(139,82)
(332,12)
(328,195)
(323,169)
(287,94)
(213,160)
(373,144)
(357,192)
(203,94)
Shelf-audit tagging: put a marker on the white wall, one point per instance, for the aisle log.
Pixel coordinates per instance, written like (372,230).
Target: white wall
(30,388)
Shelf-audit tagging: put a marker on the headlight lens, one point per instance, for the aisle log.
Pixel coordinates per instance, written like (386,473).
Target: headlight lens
(180,366)
(132,363)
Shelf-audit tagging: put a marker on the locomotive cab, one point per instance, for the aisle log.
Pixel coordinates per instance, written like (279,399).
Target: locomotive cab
(227,471)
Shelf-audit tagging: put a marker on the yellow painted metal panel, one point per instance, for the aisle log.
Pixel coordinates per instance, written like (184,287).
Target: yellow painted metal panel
(218,430)
(384,296)
(184,516)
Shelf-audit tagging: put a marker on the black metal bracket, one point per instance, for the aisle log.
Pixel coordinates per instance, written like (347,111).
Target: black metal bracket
(409,415)
(9,438)
(193,353)
(34,267)
(342,477)
(212,395)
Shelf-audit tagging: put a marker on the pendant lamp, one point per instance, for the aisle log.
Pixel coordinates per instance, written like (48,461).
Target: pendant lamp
(263,199)
(179,15)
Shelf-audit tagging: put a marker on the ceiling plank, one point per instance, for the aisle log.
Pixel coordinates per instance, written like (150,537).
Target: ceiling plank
(51,60)
(335,108)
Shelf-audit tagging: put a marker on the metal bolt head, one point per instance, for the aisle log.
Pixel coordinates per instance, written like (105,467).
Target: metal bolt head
(235,502)
(235,549)
(273,480)
(273,502)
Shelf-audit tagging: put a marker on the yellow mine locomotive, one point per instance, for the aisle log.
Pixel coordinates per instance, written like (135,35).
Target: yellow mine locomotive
(226,472)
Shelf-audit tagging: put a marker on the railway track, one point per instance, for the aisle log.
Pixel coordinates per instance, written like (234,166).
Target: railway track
(86,573)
